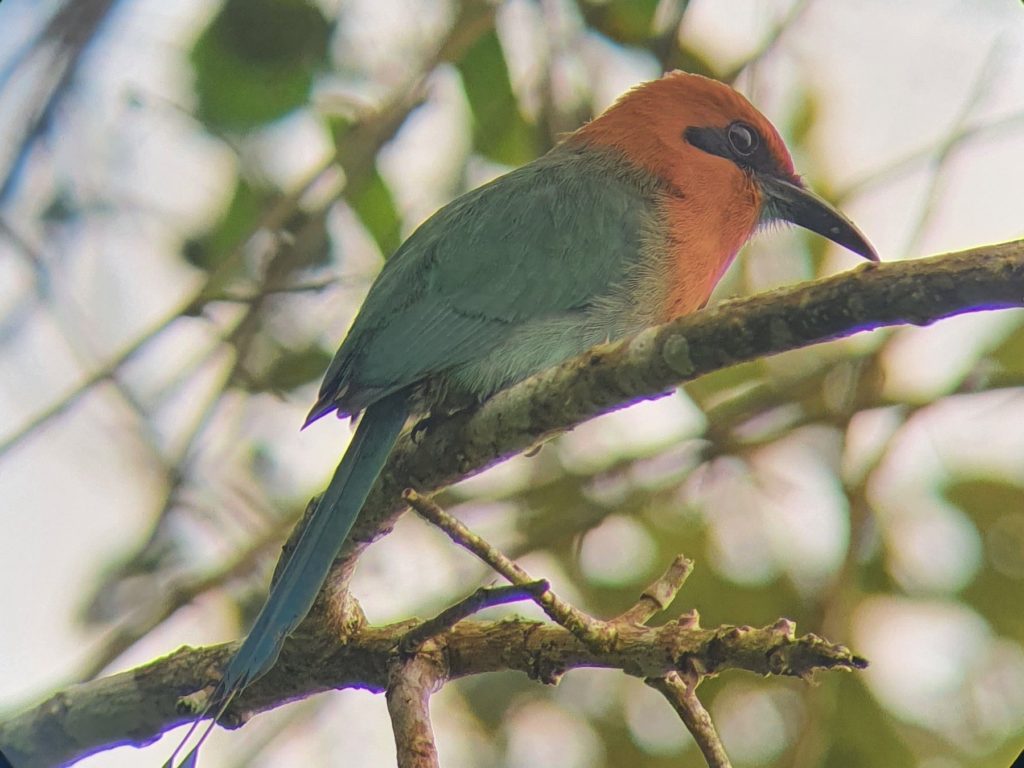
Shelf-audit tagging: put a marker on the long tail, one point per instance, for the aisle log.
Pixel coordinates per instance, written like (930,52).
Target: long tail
(300,580)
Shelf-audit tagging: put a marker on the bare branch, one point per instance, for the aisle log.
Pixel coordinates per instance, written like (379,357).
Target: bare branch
(60,46)
(590,630)
(134,707)
(650,364)
(485,597)
(771,40)
(174,596)
(683,698)
(362,141)
(408,697)
(273,219)
(660,594)
(925,155)
(951,146)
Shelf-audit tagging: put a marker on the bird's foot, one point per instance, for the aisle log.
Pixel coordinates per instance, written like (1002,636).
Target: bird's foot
(422,427)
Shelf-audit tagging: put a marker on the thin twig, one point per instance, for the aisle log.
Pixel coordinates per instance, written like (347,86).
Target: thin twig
(925,155)
(655,361)
(368,135)
(919,291)
(941,161)
(273,219)
(769,43)
(72,323)
(485,597)
(249,297)
(664,44)
(85,385)
(591,631)
(60,48)
(683,698)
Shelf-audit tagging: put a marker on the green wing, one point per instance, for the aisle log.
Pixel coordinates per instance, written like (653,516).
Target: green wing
(545,241)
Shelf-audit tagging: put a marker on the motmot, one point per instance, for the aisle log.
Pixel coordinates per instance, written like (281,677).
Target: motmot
(626,223)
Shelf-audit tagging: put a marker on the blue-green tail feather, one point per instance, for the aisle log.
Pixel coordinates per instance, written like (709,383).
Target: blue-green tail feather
(325,530)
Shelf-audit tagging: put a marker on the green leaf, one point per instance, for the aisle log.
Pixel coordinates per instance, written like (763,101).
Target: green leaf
(499,130)
(690,59)
(295,368)
(267,365)
(62,208)
(985,499)
(208,250)
(340,126)
(375,207)
(256,61)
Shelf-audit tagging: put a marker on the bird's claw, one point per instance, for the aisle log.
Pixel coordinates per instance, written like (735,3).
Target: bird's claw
(421,428)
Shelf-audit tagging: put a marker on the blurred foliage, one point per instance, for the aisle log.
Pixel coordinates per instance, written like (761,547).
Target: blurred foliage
(376,209)
(870,738)
(289,369)
(241,217)
(1008,358)
(257,62)
(629,22)
(996,507)
(499,130)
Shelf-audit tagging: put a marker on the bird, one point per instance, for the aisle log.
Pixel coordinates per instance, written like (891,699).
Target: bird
(628,222)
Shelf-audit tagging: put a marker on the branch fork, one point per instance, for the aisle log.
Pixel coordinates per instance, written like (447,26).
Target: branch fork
(782,654)
(134,706)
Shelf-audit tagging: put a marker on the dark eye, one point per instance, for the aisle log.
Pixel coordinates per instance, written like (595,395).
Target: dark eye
(742,138)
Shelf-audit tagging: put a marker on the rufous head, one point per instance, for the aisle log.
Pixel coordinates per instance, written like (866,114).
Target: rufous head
(703,138)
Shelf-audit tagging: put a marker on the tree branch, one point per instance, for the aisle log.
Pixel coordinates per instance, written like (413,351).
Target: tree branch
(648,365)
(594,632)
(659,595)
(683,698)
(408,696)
(135,706)
(485,597)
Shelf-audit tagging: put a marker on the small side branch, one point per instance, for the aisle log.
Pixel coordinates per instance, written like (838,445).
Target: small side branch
(660,594)
(683,698)
(485,597)
(596,634)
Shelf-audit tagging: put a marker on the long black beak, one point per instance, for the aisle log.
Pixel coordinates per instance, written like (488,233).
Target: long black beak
(796,204)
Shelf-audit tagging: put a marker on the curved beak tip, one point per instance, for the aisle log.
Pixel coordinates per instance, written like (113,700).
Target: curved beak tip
(798,205)
(858,243)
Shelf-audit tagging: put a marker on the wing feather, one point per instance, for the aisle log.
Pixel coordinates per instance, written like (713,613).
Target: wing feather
(552,238)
